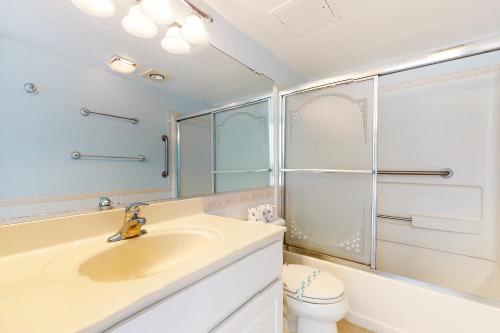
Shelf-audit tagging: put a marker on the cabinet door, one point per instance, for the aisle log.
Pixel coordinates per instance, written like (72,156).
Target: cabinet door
(263,314)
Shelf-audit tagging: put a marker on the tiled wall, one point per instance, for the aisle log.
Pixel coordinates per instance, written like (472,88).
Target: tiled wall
(25,209)
(236,204)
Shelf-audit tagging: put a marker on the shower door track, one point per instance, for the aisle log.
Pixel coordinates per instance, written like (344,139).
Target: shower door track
(457,52)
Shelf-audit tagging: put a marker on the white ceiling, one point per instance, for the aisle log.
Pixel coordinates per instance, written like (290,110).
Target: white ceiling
(206,74)
(365,32)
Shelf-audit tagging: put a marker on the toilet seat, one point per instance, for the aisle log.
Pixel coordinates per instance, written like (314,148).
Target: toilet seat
(311,285)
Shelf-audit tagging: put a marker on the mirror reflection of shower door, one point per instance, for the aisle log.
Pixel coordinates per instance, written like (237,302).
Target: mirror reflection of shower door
(194,156)
(329,169)
(242,155)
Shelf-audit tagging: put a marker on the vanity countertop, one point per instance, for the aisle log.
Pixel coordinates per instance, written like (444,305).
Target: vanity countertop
(46,288)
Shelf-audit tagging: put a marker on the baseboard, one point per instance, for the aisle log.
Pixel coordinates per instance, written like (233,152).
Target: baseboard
(371,324)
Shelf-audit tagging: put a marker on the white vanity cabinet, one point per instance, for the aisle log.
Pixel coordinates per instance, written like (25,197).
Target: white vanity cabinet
(245,296)
(264,313)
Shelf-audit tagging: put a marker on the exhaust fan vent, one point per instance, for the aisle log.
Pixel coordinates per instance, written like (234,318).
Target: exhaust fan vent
(301,17)
(156,76)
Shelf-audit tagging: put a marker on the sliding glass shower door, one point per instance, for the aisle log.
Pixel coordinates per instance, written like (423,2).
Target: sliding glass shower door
(329,169)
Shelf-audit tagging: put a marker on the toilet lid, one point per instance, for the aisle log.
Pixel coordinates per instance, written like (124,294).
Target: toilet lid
(311,284)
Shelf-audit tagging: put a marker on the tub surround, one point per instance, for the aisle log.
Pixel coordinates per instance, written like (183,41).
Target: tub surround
(386,305)
(45,288)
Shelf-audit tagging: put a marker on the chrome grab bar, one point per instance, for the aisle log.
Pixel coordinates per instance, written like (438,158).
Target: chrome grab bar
(164,173)
(390,217)
(445,173)
(76,155)
(240,171)
(85,112)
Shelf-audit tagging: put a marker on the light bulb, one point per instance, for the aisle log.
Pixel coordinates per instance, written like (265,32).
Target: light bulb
(122,65)
(101,8)
(159,11)
(137,24)
(194,31)
(174,43)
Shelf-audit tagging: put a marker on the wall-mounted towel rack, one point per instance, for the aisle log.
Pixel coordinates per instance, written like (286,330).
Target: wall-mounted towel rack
(445,173)
(76,155)
(85,112)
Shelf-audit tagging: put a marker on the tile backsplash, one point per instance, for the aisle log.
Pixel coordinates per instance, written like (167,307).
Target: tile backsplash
(235,204)
(25,209)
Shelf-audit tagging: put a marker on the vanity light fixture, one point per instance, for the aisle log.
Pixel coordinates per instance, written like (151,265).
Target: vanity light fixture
(159,11)
(122,65)
(194,31)
(143,16)
(138,24)
(173,41)
(100,8)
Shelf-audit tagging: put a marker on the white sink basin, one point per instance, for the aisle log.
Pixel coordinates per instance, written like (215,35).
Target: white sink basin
(146,255)
(158,251)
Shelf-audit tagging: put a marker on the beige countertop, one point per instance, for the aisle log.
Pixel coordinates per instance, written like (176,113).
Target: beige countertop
(42,288)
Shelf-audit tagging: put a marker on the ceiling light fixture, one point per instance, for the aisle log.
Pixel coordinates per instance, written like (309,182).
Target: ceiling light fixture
(194,31)
(100,8)
(138,24)
(173,41)
(159,11)
(122,65)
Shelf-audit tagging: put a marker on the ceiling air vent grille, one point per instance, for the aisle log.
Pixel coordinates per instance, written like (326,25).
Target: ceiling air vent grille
(302,17)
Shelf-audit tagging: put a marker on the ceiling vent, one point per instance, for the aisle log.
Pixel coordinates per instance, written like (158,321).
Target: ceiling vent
(301,17)
(156,76)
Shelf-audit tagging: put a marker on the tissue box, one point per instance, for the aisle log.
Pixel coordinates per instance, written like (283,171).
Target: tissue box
(262,214)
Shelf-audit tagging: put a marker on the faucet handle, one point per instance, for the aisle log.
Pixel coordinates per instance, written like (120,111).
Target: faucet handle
(135,205)
(105,203)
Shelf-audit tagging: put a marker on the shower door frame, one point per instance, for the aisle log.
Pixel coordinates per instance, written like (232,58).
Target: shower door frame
(373,171)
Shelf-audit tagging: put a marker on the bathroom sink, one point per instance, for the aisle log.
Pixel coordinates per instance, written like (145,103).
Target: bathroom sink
(147,255)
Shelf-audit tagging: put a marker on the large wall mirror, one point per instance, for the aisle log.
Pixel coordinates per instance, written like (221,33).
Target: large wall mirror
(74,129)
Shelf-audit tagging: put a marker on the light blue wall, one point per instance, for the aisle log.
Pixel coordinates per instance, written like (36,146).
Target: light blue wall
(38,132)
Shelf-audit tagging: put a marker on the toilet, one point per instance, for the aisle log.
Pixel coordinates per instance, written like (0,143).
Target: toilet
(314,300)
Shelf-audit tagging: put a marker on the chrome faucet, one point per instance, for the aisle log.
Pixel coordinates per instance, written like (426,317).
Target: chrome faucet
(131,224)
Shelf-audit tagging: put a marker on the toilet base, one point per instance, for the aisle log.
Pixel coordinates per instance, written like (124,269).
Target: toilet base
(305,325)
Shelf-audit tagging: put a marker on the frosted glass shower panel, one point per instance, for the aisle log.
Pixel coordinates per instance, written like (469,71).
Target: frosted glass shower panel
(330,214)
(242,156)
(195,156)
(226,182)
(331,127)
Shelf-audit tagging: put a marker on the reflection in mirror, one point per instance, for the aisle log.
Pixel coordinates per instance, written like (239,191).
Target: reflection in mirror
(225,149)
(82,125)
(242,152)
(194,156)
